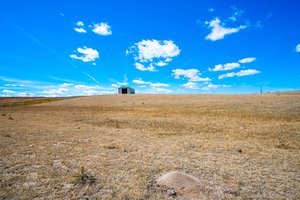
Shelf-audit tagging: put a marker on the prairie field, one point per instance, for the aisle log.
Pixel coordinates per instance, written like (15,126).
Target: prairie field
(238,146)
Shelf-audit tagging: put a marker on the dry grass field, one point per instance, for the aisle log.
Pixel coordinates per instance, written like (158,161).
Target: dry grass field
(239,146)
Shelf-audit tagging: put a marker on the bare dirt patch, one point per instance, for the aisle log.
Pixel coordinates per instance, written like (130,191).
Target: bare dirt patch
(243,146)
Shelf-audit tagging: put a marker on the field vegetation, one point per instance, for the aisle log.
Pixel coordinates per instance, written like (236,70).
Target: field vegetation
(115,147)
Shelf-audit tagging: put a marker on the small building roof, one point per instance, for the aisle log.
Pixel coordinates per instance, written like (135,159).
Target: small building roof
(122,87)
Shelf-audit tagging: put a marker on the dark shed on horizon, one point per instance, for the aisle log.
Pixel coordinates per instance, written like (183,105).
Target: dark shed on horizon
(126,90)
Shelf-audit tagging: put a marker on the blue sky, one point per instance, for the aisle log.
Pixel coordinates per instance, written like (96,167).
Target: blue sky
(90,47)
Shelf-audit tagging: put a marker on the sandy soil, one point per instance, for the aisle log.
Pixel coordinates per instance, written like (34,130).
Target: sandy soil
(239,146)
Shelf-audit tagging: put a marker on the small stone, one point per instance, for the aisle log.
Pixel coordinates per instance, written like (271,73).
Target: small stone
(171,192)
(58,165)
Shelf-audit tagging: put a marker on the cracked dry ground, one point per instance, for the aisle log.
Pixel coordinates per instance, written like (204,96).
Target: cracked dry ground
(240,146)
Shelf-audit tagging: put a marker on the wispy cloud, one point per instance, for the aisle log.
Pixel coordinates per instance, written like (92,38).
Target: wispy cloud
(153,53)
(55,92)
(159,85)
(211,10)
(141,82)
(87,54)
(298,48)
(247,72)
(34,39)
(237,12)
(14,85)
(247,60)
(161,90)
(219,31)
(211,86)
(8,91)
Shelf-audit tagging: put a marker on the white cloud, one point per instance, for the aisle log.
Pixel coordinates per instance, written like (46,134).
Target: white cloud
(298,48)
(102,29)
(218,30)
(80,30)
(211,86)
(25,94)
(66,84)
(159,85)
(55,92)
(115,85)
(141,67)
(122,83)
(140,82)
(190,74)
(226,67)
(246,72)
(88,90)
(153,53)
(190,85)
(150,49)
(14,85)
(161,64)
(88,54)
(162,90)
(80,23)
(237,12)
(247,60)
(8,91)
(85,87)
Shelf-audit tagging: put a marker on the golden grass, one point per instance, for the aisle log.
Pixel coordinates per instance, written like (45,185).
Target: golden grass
(241,146)
(26,101)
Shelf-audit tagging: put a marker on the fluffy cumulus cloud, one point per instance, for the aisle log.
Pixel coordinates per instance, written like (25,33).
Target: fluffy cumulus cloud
(193,75)
(99,28)
(86,54)
(80,30)
(247,60)
(218,30)
(225,67)
(298,48)
(190,85)
(246,72)
(80,27)
(141,67)
(102,29)
(149,54)
(80,23)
